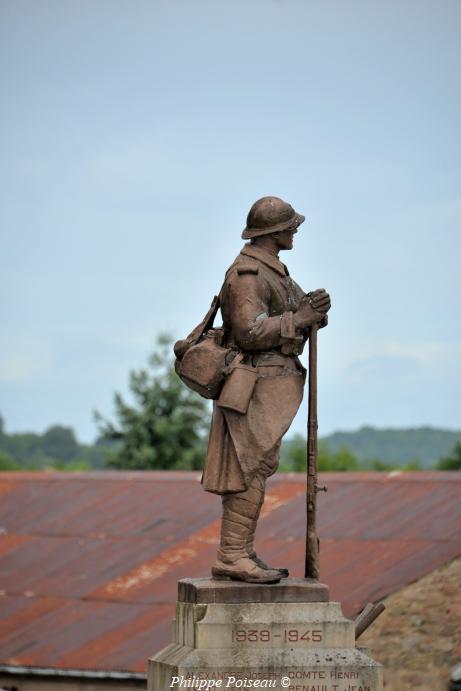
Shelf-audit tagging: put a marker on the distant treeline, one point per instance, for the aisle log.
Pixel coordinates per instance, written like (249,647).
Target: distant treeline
(375,449)
(366,449)
(425,445)
(57,448)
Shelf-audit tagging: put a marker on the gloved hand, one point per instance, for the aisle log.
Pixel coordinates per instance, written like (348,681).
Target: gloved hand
(313,309)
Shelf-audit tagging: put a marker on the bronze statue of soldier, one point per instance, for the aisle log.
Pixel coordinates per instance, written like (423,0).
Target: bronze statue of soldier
(266,318)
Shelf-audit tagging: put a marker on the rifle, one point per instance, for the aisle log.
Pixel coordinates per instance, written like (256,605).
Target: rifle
(312,542)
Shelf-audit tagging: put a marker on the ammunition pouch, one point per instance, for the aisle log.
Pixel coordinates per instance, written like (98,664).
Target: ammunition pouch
(238,388)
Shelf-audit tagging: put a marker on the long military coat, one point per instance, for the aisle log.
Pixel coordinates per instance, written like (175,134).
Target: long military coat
(258,300)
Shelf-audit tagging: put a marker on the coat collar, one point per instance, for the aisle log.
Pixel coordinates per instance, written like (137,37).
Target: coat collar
(266,258)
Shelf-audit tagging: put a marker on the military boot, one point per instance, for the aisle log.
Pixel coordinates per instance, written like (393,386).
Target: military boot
(239,511)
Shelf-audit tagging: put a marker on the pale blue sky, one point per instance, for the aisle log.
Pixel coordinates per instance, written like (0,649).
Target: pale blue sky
(134,137)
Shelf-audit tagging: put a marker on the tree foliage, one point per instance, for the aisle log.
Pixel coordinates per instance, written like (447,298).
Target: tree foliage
(396,447)
(342,458)
(59,442)
(8,463)
(26,452)
(294,457)
(164,427)
(453,461)
(57,447)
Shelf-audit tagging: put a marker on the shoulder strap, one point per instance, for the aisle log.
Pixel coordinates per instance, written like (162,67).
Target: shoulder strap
(210,316)
(196,334)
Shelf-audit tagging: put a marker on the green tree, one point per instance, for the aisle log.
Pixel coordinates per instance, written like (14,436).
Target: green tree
(165,426)
(453,461)
(294,457)
(75,466)
(334,461)
(415,464)
(8,463)
(59,442)
(378,464)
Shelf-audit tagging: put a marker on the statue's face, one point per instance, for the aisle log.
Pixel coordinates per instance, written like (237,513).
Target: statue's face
(284,238)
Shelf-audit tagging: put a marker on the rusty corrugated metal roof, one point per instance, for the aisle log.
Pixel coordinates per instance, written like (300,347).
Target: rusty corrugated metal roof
(89,562)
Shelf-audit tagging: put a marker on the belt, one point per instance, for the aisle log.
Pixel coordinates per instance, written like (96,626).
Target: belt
(275,360)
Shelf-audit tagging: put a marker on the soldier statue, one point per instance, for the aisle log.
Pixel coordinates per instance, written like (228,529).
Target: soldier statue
(266,318)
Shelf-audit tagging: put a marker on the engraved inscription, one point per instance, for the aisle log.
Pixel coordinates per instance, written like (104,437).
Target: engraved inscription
(300,636)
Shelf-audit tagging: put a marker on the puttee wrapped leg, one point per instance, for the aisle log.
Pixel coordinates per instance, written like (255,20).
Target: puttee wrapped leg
(250,550)
(239,513)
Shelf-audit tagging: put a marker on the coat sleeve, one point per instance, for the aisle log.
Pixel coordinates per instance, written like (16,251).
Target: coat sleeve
(247,297)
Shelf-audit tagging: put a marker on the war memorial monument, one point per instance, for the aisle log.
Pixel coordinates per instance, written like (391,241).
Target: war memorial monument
(250,625)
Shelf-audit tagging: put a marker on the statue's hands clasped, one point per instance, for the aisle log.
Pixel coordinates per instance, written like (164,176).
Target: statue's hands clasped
(313,309)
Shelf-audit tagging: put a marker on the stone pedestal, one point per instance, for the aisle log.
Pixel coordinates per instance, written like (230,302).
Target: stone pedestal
(283,636)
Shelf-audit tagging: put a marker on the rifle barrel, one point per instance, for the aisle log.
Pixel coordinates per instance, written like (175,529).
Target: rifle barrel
(312,547)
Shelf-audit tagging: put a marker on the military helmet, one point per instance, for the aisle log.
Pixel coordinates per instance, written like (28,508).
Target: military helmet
(270,215)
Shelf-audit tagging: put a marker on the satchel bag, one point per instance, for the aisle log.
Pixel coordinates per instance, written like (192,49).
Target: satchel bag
(201,359)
